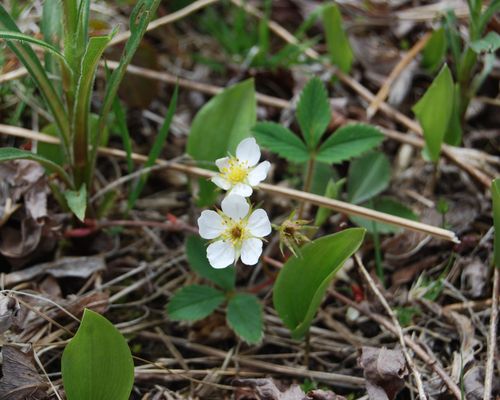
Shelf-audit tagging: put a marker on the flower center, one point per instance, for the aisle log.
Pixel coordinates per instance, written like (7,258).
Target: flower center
(237,171)
(235,233)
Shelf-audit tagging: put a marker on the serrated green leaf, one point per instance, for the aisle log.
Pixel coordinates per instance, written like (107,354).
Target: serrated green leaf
(194,302)
(389,206)
(349,141)
(196,251)
(495,196)
(337,41)
(97,363)
(313,112)
(244,316)
(434,51)
(281,141)
(488,44)
(77,201)
(303,281)
(434,111)
(219,127)
(368,176)
(11,153)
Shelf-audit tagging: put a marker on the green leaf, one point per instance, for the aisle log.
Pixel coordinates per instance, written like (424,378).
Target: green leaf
(156,149)
(194,302)
(281,141)
(303,281)
(389,206)
(11,153)
(495,196)
(313,112)
(244,316)
(97,364)
(77,201)
(434,52)
(368,176)
(337,41)
(196,252)
(219,127)
(349,141)
(453,135)
(434,111)
(488,44)
(51,151)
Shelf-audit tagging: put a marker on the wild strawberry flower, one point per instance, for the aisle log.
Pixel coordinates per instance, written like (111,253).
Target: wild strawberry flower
(235,232)
(239,174)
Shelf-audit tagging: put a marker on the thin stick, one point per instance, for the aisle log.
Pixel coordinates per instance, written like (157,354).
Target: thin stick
(399,331)
(46,376)
(317,200)
(398,69)
(490,366)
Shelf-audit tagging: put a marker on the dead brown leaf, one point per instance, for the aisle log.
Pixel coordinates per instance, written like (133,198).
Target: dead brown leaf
(384,371)
(9,311)
(20,380)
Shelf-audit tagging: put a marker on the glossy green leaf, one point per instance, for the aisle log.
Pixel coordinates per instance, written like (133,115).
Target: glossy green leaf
(434,52)
(244,316)
(434,111)
(77,201)
(281,141)
(488,44)
(495,196)
(313,112)
(219,127)
(194,302)
(196,251)
(389,206)
(303,281)
(11,153)
(368,176)
(337,41)
(349,141)
(97,364)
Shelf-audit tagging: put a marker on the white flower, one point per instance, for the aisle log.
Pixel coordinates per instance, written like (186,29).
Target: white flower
(238,174)
(234,231)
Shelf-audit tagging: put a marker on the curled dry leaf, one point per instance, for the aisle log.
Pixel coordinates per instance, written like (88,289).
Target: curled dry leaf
(384,371)
(266,389)
(20,380)
(474,277)
(9,311)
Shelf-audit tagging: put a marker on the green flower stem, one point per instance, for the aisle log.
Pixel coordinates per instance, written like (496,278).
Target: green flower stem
(307,183)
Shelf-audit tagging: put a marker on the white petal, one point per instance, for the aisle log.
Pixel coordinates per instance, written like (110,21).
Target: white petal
(259,224)
(220,254)
(210,225)
(259,173)
(222,163)
(251,251)
(242,190)
(235,206)
(221,182)
(249,151)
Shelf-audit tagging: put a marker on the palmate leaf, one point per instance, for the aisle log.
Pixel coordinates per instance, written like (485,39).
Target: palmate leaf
(349,141)
(313,112)
(244,316)
(194,302)
(97,363)
(281,141)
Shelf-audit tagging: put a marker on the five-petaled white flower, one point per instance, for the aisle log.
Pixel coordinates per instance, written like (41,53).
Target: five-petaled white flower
(238,174)
(234,231)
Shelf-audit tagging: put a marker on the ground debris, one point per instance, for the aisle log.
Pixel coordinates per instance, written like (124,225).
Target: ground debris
(384,371)
(266,389)
(20,380)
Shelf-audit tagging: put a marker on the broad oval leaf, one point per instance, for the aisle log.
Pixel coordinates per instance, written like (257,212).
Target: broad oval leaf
(349,141)
(434,51)
(337,41)
(281,141)
(303,281)
(194,302)
(97,364)
(196,252)
(313,112)
(218,128)
(244,316)
(368,176)
(434,111)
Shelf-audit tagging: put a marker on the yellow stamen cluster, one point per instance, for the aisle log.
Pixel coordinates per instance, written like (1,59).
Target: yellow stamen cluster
(235,232)
(236,172)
